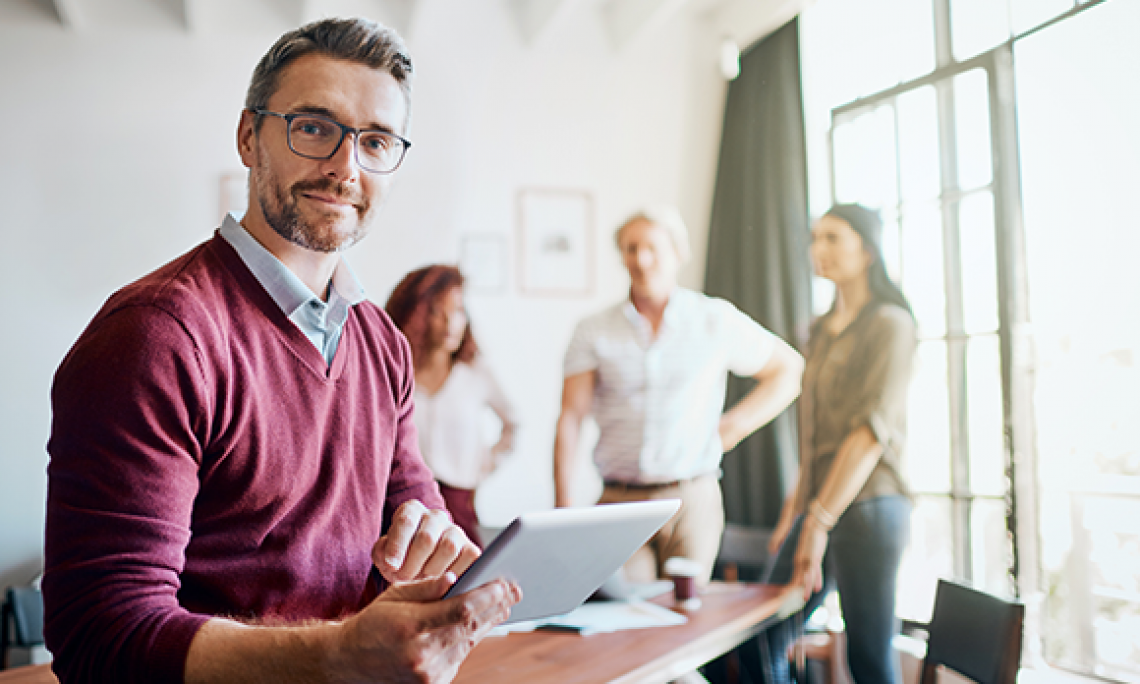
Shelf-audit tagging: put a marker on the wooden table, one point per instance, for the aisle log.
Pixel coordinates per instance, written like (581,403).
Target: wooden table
(29,674)
(729,615)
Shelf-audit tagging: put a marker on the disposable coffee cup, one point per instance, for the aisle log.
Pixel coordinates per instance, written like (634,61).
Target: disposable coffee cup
(684,573)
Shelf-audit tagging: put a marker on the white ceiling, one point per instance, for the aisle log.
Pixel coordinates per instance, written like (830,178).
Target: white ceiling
(743,20)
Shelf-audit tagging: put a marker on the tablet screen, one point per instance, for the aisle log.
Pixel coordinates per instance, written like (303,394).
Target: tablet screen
(559,557)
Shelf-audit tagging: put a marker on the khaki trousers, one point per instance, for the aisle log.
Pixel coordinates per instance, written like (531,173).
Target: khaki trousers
(694,532)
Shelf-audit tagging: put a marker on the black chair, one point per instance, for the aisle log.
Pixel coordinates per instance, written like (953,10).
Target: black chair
(742,547)
(973,633)
(743,556)
(23,620)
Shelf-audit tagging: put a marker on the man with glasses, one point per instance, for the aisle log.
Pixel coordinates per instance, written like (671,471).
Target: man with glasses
(234,476)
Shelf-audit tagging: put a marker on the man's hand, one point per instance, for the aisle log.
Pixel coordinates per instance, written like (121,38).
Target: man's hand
(422,543)
(407,634)
(777,386)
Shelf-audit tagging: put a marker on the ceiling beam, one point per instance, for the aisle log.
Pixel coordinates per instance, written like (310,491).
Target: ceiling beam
(624,19)
(71,13)
(532,16)
(189,14)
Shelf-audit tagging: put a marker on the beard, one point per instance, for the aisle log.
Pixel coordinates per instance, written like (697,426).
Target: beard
(279,207)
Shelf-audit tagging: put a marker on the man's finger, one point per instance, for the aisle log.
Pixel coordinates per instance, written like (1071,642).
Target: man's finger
(473,610)
(404,525)
(424,541)
(467,556)
(496,614)
(447,550)
(476,620)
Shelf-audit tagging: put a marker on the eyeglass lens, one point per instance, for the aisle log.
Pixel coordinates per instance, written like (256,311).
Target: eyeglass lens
(317,137)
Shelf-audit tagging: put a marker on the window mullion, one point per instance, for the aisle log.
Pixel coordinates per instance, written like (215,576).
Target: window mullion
(956,340)
(943,40)
(1015,330)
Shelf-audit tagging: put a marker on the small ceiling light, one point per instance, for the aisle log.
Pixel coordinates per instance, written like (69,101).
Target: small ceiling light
(729,59)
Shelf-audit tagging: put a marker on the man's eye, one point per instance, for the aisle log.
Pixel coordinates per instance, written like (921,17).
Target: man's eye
(312,127)
(376,143)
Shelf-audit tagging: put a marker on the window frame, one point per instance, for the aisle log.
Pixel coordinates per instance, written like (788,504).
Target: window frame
(1014,330)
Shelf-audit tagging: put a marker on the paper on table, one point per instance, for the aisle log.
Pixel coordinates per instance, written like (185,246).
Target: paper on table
(598,617)
(522,626)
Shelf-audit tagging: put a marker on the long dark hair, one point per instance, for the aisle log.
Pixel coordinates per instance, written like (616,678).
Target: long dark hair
(410,305)
(870,227)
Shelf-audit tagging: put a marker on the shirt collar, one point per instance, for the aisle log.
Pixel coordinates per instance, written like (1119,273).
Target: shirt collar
(670,318)
(673,308)
(286,289)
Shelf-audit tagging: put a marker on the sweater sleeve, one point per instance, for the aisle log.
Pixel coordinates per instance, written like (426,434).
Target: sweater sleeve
(129,415)
(410,477)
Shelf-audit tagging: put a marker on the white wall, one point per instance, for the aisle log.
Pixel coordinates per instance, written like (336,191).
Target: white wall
(114,138)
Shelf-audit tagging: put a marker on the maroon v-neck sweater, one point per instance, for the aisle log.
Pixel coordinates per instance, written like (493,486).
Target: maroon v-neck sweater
(205,460)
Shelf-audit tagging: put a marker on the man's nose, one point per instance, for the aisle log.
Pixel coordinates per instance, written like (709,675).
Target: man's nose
(342,165)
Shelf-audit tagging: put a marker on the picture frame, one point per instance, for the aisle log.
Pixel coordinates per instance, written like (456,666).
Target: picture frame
(483,262)
(555,242)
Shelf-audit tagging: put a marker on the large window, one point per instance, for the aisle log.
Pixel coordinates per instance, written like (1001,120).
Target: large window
(1078,96)
(923,156)
(1000,148)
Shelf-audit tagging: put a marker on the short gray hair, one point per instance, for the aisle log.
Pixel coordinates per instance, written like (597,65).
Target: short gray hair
(666,217)
(355,40)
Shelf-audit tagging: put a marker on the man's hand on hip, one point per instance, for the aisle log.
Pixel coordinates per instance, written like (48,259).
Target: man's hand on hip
(422,543)
(408,634)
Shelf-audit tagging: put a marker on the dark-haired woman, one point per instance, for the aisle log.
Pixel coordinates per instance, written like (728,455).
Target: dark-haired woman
(454,389)
(848,520)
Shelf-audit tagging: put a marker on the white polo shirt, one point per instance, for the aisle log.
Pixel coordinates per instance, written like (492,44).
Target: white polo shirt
(658,401)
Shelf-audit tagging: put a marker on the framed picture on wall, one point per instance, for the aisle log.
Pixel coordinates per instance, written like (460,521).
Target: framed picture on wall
(556,242)
(483,262)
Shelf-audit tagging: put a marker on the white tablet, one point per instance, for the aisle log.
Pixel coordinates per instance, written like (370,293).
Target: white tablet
(559,557)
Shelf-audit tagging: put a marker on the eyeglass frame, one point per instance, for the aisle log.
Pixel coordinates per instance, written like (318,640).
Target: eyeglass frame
(344,131)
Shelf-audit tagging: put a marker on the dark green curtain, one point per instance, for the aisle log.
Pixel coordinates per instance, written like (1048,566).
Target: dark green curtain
(757,256)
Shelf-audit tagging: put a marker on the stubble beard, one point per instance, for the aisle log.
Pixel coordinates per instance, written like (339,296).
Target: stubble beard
(279,207)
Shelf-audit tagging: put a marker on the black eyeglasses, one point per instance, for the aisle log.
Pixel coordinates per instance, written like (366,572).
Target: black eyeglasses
(318,137)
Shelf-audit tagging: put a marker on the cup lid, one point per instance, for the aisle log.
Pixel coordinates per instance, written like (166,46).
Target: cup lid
(679,566)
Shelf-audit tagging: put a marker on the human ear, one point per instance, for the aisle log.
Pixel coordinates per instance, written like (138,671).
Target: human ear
(247,139)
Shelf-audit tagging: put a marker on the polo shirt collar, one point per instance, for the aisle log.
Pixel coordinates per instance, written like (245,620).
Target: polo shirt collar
(670,319)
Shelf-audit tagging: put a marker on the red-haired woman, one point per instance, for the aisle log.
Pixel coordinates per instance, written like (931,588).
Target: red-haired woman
(454,388)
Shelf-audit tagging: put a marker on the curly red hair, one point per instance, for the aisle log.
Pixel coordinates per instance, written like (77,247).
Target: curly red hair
(411,304)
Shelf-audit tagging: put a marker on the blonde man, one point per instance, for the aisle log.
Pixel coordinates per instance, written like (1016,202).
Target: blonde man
(652,370)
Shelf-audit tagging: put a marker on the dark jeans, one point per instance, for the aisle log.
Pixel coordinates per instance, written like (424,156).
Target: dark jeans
(862,563)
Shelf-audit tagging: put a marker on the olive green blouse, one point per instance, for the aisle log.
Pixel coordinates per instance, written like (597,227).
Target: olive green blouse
(858,377)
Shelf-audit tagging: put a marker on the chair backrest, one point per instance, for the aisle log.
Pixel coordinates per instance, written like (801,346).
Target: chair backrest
(742,546)
(25,607)
(974,634)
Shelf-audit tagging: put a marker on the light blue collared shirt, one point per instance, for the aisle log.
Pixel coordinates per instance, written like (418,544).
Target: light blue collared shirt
(322,322)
